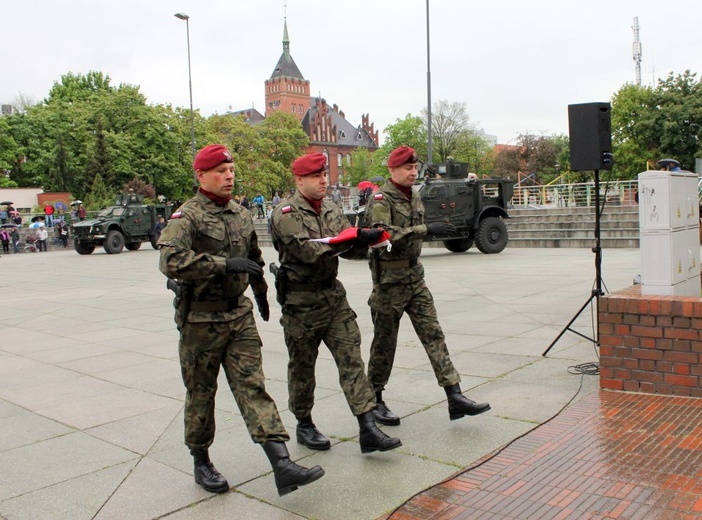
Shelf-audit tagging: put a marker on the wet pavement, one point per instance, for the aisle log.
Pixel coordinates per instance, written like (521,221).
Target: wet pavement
(612,455)
(91,403)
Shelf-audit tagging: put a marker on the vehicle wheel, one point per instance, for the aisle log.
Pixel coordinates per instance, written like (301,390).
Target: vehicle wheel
(114,243)
(83,249)
(133,246)
(154,241)
(458,245)
(492,236)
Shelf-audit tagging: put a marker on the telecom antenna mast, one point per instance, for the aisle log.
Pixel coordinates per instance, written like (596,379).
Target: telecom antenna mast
(637,50)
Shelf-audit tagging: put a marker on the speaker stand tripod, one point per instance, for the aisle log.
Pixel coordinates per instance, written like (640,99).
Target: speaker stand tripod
(597,291)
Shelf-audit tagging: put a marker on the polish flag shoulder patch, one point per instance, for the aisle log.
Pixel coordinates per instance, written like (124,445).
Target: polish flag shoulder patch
(177,214)
(378,196)
(286,209)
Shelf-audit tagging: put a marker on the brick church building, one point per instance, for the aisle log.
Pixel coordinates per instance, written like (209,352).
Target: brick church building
(326,126)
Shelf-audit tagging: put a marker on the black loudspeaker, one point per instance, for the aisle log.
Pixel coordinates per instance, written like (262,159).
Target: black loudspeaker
(590,127)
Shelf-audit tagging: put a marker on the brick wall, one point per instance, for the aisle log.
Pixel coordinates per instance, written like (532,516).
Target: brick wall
(650,344)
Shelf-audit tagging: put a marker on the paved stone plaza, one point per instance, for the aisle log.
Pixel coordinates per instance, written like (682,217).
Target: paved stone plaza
(91,397)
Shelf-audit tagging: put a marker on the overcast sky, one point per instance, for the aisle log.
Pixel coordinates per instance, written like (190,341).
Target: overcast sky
(517,65)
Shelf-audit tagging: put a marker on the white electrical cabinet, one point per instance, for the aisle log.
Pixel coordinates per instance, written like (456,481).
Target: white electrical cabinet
(669,223)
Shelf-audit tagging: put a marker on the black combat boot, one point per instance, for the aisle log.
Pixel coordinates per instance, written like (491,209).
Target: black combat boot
(207,475)
(308,435)
(382,413)
(372,438)
(288,475)
(460,406)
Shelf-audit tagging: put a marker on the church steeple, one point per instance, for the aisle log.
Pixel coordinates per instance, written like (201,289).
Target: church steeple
(286,65)
(287,89)
(286,39)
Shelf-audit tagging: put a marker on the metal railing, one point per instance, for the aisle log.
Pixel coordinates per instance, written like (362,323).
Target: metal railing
(561,195)
(575,195)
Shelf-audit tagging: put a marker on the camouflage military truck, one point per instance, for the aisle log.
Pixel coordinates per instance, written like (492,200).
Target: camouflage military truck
(126,224)
(475,207)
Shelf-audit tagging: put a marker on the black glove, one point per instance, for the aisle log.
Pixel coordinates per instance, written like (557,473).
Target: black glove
(263,308)
(368,235)
(440,228)
(243,265)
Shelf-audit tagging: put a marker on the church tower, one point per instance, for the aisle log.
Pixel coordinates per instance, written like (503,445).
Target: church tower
(286,89)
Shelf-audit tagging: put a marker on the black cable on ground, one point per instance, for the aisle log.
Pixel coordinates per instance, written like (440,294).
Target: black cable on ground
(503,448)
(586,369)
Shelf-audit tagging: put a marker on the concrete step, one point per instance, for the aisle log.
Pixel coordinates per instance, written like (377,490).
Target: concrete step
(589,219)
(574,233)
(605,243)
(571,210)
(571,227)
(519,225)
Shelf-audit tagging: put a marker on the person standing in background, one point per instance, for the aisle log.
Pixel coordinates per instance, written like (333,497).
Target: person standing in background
(49,214)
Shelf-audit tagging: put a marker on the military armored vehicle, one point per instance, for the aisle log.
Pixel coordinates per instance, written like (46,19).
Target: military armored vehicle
(126,224)
(476,207)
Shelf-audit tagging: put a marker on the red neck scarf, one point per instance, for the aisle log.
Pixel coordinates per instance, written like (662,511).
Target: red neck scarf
(407,192)
(220,201)
(316,204)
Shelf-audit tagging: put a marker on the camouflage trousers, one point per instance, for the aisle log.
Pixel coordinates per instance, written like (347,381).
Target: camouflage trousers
(332,321)
(236,346)
(388,302)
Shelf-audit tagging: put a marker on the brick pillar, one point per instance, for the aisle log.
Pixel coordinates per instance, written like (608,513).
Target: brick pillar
(650,343)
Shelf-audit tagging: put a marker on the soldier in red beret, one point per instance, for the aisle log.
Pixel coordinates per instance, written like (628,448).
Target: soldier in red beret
(399,288)
(210,247)
(314,304)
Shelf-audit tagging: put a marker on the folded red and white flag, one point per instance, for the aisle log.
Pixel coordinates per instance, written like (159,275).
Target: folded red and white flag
(350,234)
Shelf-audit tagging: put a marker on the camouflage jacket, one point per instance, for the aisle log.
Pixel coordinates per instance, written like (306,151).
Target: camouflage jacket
(404,220)
(294,223)
(195,245)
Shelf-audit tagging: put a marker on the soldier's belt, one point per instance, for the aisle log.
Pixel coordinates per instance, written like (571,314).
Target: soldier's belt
(398,264)
(225,305)
(309,287)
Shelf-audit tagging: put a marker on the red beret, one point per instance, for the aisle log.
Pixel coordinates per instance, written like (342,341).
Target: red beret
(211,156)
(402,155)
(312,163)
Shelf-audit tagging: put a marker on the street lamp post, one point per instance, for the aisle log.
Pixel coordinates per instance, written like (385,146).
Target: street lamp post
(429,147)
(185,17)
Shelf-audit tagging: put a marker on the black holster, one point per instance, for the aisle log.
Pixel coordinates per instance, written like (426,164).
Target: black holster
(181,302)
(281,282)
(375,266)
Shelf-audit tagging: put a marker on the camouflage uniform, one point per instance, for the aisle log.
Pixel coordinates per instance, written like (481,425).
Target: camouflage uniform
(215,319)
(399,287)
(314,303)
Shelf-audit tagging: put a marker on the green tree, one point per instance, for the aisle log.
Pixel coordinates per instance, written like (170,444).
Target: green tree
(86,126)
(76,88)
(100,195)
(262,153)
(240,139)
(283,140)
(679,98)
(361,167)
(651,123)
(634,130)
(9,150)
(99,161)
(410,131)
